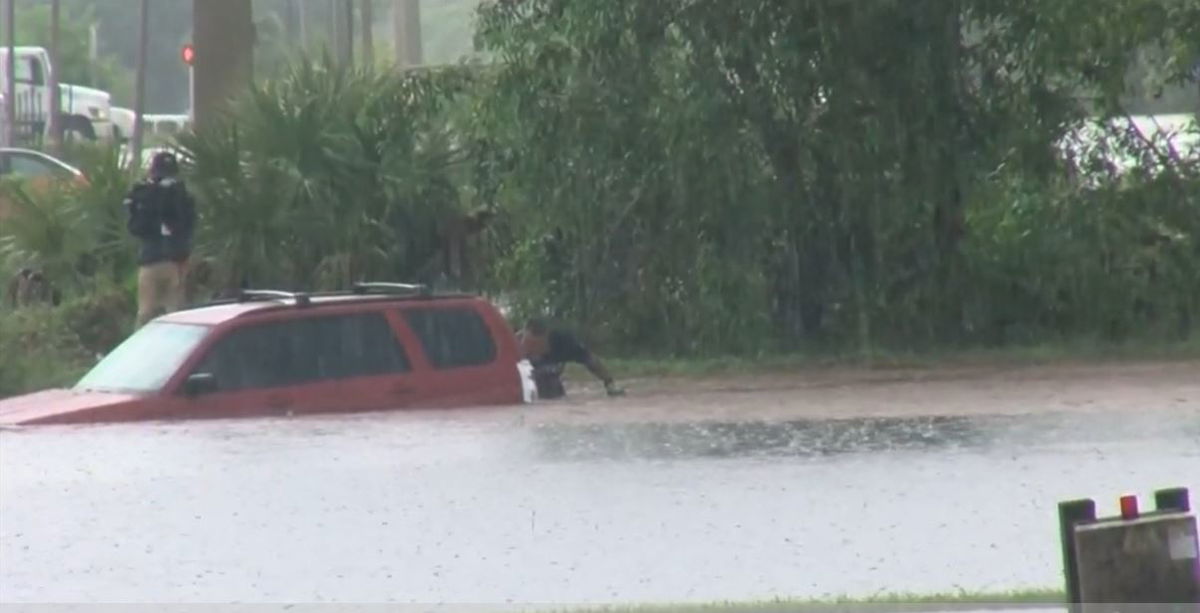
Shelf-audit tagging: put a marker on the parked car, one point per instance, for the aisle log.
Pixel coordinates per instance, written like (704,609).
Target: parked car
(38,169)
(381,346)
(30,164)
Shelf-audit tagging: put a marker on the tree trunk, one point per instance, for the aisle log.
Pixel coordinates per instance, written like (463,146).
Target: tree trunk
(406,29)
(334,28)
(341,21)
(55,127)
(223,32)
(368,36)
(139,94)
(347,16)
(302,17)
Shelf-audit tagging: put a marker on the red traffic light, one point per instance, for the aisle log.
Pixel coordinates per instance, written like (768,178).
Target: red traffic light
(188,53)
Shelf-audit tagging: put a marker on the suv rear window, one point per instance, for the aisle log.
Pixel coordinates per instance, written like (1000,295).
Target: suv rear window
(452,337)
(297,351)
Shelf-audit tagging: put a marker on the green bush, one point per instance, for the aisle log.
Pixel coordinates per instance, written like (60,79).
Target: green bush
(710,177)
(52,346)
(75,233)
(326,176)
(713,177)
(40,351)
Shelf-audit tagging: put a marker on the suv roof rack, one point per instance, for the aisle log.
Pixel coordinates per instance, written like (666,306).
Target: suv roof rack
(376,287)
(304,299)
(256,295)
(250,295)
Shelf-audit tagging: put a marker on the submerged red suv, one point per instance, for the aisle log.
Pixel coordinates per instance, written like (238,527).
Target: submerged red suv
(380,346)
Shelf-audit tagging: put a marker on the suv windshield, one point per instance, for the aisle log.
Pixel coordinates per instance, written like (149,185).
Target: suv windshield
(146,360)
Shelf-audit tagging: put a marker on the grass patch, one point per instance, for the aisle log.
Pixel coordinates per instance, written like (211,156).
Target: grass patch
(881,602)
(44,347)
(38,352)
(1080,351)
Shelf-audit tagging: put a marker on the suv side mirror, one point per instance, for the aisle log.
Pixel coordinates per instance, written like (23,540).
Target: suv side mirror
(199,384)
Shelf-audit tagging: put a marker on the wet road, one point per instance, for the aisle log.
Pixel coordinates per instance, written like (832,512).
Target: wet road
(487,507)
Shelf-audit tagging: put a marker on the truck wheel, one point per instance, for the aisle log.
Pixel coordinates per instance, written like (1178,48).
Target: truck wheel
(77,128)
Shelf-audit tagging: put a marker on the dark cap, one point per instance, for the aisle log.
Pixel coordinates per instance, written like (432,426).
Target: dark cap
(164,164)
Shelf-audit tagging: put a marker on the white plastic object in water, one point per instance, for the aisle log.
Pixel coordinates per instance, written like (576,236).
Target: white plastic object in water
(528,387)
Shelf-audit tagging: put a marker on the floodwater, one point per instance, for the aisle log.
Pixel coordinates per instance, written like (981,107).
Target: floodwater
(490,506)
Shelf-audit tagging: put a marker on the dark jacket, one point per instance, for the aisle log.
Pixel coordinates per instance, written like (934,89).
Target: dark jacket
(562,347)
(162,216)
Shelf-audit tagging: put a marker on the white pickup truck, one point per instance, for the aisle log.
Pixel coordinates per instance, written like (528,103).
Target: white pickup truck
(85,110)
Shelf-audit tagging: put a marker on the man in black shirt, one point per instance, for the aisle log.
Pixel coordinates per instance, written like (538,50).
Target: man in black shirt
(162,216)
(548,350)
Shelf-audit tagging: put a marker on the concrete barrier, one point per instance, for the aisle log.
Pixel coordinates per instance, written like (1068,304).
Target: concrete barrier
(1147,559)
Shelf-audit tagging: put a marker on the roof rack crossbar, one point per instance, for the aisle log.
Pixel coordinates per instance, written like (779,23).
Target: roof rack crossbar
(247,295)
(391,288)
(304,299)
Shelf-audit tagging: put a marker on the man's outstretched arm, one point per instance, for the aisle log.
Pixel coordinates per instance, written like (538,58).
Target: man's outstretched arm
(597,368)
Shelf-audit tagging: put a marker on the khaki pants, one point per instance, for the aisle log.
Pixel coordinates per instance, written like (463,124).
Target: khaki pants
(160,288)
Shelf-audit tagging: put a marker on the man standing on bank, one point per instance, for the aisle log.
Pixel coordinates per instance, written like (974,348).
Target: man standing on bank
(548,351)
(162,216)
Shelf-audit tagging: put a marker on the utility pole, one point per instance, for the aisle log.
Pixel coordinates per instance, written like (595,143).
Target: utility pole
(368,36)
(55,126)
(406,29)
(139,94)
(10,79)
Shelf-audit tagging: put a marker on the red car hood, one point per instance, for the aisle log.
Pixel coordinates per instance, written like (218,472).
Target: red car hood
(62,406)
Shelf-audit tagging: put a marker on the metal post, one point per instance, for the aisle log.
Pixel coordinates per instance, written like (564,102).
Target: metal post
(191,95)
(1070,513)
(93,49)
(10,80)
(55,124)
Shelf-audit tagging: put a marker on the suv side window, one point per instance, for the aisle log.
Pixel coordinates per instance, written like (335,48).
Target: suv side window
(452,337)
(279,353)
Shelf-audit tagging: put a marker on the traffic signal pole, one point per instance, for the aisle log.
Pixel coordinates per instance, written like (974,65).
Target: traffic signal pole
(188,55)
